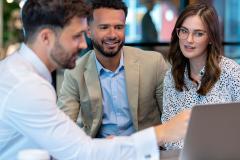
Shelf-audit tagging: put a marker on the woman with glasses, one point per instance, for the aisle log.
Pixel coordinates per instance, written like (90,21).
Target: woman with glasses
(199,73)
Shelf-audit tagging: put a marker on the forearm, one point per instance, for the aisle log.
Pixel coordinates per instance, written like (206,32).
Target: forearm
(174,129)
(138,146)
(161,137)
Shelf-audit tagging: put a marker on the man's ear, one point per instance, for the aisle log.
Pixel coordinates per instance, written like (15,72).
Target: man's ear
(88,33)
(46,36)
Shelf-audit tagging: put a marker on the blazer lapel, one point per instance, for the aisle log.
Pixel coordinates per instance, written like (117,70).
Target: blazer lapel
(94,91)
(132,81)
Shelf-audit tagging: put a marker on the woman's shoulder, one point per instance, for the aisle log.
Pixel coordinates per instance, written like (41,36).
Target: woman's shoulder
(229,65)
(168,73)
(168,79)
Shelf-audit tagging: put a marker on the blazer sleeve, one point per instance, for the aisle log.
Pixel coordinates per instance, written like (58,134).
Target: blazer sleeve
(68,100)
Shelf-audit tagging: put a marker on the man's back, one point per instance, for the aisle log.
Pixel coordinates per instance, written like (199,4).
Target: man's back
(16,74)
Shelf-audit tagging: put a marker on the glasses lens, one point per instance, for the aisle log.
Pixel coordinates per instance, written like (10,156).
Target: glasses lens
(182,33)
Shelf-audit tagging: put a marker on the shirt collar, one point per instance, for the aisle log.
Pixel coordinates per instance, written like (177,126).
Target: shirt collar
(101,69)
(35,61)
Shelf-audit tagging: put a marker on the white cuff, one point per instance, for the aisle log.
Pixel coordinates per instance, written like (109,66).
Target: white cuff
(146,144)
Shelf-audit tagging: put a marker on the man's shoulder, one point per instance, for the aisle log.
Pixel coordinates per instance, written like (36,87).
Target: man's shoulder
(140,52)
(83,61)
(17,70)
(143,55)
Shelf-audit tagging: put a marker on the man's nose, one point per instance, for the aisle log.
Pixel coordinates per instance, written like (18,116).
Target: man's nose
(112,33)
(82,44)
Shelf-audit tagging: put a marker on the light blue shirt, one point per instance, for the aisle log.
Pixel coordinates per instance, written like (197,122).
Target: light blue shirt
(30,118)
(117,119)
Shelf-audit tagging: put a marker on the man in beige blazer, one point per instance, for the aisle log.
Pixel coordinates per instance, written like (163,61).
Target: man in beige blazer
(81,96)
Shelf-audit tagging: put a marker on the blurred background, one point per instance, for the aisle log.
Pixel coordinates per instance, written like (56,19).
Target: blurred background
(149,26)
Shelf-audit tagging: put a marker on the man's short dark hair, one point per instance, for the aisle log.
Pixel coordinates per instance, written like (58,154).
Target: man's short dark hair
(112,4)
(37,14)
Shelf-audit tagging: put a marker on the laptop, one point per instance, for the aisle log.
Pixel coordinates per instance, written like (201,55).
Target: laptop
(213,133)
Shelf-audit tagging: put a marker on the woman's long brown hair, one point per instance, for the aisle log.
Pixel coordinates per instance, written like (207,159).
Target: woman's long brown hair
(176,58)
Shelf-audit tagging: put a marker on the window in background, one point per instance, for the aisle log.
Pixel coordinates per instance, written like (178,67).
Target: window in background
(12,27)
(229,15)
(163,15)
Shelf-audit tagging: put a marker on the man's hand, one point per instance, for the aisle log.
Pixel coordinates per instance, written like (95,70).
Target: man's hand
(173,130)
(110,137)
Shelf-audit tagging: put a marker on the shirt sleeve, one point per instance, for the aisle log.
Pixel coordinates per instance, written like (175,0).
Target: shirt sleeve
(32,111)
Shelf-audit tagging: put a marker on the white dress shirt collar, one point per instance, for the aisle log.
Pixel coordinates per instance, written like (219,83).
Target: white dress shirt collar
(36,62)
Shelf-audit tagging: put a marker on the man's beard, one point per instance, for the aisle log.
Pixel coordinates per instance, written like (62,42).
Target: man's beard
(106,54)
(60,56)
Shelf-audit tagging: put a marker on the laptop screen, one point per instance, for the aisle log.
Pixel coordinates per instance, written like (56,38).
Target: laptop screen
(213,133)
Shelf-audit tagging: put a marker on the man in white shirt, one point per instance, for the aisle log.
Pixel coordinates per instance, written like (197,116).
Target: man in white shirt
(29,118)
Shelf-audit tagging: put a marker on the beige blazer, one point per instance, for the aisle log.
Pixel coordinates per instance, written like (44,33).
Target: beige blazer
(81,98)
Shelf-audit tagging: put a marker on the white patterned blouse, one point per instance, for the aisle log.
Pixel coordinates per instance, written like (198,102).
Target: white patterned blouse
(226,89)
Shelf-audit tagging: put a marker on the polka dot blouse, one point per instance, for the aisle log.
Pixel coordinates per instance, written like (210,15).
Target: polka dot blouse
(226,89)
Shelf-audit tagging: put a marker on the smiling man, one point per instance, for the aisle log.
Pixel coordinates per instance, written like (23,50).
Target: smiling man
(29,117)
(115,89)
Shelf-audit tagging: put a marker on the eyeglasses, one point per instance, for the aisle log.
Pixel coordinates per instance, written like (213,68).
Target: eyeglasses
(183,34)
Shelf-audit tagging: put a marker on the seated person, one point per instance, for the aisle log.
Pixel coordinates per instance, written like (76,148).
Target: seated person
(114,89)
(29,117)
(199,74)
